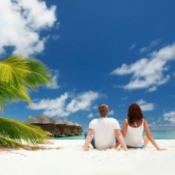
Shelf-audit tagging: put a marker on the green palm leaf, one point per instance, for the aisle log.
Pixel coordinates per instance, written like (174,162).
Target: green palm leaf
(9,94)
(19,131)
(6,142)
(18,75)
(14,70)
(40,74)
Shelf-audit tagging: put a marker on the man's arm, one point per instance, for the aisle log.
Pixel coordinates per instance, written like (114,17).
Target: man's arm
(88,139)
(120,138)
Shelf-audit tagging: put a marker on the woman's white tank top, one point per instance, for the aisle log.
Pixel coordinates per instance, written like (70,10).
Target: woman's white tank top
(134,136)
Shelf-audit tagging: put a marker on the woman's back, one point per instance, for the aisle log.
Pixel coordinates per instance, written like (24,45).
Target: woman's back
(134,135)
(134,127)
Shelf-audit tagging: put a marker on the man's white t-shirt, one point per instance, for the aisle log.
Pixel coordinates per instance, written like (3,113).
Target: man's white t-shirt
(104,134)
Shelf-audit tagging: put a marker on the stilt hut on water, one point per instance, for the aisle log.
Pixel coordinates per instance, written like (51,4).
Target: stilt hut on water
(59,127)
(44,122)
(56,127)
(78,129)
(69,127)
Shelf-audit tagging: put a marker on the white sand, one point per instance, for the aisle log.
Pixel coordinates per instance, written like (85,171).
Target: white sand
(71,160)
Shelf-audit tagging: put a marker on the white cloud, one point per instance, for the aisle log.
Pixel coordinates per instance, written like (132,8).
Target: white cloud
(54,84)
(148,72)
(82,101)
(145,106)
(95,107)
(66,104)
(170,116)
(52,107)
(132,47)
(90,115)
(21,22)
(151,46)
(152,89)
(111,112)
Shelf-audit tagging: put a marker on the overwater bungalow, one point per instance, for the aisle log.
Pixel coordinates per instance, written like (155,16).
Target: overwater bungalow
(44,122)
(59,127)
(56,126)
(78,129)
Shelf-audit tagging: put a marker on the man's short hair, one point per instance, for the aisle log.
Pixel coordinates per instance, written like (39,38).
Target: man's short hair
(103,110)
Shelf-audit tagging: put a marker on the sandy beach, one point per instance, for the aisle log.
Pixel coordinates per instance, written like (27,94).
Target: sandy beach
(70,159)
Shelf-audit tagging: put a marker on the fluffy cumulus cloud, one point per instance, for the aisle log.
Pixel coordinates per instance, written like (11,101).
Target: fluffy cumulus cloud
(82,101)
(148,72)
(52,107)
(145,106)
(170,116)
(21,22)
(66,104)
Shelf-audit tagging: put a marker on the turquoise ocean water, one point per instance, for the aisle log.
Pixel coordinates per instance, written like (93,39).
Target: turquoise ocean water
(156,134)
(163,134)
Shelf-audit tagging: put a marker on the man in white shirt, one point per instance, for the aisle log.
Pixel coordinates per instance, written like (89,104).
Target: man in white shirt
(104,130)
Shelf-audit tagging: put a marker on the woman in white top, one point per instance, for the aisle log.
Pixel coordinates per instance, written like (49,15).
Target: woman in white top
(133,129)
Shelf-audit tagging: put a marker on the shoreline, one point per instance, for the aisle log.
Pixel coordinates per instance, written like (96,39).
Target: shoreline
(70,159)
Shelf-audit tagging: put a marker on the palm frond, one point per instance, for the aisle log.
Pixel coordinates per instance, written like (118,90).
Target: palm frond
(40,74)
(6,142)
(13,70)
(10,94)
(18,74)
(19,131)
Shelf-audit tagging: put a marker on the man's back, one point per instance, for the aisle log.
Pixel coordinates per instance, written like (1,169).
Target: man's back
(104,132)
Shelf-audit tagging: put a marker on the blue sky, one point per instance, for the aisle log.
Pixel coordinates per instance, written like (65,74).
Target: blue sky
(115,52)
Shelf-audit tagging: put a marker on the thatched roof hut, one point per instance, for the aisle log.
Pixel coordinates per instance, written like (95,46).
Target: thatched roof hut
(59,127)
(78,125)
(40,120)
(55,126)
(58,122)
(68,128)
(44,122)
(78,130)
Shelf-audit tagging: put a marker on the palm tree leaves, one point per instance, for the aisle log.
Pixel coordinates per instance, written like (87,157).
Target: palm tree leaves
(9,94)
(19,74)
(13,70)
(14,133)
(6,142)
(14,130)
(39,74)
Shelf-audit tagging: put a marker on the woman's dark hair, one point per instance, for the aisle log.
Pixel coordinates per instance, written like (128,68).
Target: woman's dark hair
(134,113)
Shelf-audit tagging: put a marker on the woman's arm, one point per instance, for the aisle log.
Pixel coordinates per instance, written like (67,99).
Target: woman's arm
(125,127)
(124,130)
(150,137)
(88,139)
(120,139)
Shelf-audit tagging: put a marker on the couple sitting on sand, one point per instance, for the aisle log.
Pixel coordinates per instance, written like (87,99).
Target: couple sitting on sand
(103,131)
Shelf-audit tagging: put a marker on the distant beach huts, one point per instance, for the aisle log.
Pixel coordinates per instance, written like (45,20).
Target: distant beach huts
(56,127)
